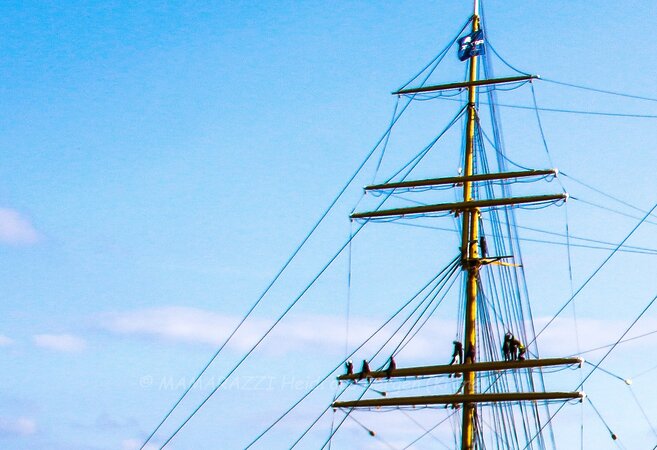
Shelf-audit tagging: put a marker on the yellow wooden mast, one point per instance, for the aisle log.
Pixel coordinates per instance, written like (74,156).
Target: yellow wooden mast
(470,252)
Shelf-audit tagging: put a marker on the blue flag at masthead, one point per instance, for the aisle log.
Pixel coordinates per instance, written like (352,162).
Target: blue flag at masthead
(471,45)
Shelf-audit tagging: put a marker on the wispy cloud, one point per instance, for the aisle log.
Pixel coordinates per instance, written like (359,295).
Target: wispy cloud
(197,326)
(5,341)
(21,426)
(60,342)
(309,332)
(15,229)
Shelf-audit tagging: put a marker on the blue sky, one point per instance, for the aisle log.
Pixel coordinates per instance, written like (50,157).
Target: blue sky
(160,161)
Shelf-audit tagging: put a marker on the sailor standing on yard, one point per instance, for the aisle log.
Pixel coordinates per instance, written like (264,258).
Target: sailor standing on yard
(470,353)
(457,357)
(518,349)
(506,346)
(392,366)
(350,367)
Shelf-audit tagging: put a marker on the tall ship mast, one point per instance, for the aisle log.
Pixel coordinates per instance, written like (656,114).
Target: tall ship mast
(474,258)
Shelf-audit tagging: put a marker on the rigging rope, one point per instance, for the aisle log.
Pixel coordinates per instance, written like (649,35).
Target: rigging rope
(615,211)
(348,309)
(269,330)
(500,153)
(424,429)
(609,245)
(279,273)
(434,62)
(372,433)
(640,374)
(621,342)
(438,57)
(418,157)
(335,397)
(595,272)
(406,340)
(602,91)
(611,433)
(440,285)
(317,420)
(430,430)
(597,365)
(540,129)
(618,377)
(385,143)
(599,191)
(574,308)
(489,45)
(343,420)
(404,306)
(567,111)
(643,411)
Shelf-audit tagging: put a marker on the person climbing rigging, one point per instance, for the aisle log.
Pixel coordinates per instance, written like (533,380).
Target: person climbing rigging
(457,357)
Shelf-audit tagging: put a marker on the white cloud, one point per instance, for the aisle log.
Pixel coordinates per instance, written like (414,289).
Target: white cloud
(135,444)
(308,332)
(21,426)
(197,326)
(60,342)
(5,341)
(16,229)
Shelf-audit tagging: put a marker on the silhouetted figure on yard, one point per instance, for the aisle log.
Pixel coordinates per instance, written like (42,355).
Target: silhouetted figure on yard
(391,367)
(506,346)
(365,371)
(470,355)
(350,367)
(457,356)
(518,350)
